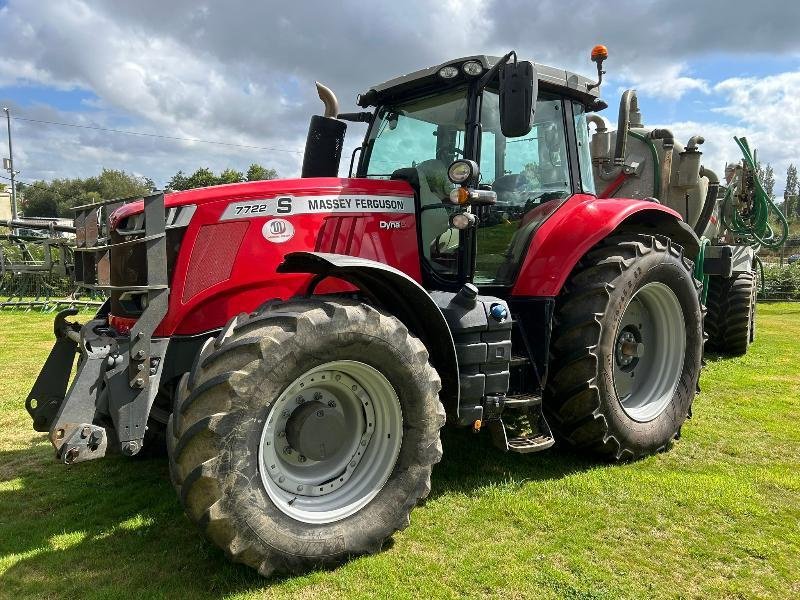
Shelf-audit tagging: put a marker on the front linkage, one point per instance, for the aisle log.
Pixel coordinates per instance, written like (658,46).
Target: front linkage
(109,400)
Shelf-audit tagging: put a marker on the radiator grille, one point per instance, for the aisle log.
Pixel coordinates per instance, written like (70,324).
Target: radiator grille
(212,257)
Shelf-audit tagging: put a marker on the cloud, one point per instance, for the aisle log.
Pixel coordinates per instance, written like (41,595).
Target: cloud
(243,72)
(670,82)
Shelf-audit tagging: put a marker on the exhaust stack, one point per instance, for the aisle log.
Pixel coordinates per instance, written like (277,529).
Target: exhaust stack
(325,138)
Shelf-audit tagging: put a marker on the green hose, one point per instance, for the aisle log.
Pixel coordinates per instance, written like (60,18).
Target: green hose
(755,229)
(654,153)
(698,268)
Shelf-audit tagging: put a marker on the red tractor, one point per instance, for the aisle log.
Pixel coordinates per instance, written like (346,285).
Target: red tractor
(301,342)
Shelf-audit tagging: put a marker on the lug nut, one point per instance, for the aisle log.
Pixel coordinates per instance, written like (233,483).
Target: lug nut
(287,450)
(320,413)
(300,400)
(302,458)
(281,434)
(285,414)
(331,404)
(317,396)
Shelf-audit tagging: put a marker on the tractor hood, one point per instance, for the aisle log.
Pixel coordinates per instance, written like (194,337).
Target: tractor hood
(267,189)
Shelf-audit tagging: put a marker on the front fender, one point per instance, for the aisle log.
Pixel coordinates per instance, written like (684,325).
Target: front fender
(400,295)
(579,224)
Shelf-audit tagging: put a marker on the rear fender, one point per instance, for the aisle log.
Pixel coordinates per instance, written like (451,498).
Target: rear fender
(579,224)
(399,294)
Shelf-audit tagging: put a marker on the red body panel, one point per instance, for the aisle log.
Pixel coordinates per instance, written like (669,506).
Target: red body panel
(560,242)
(226,267)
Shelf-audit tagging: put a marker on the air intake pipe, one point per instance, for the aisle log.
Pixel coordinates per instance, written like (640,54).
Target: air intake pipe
(325,138)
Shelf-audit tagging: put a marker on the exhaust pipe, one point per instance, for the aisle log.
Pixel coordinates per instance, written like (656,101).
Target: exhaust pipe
(325,138)
(329,100)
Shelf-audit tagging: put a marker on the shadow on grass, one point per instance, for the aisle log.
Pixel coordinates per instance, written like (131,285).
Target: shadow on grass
(114,527)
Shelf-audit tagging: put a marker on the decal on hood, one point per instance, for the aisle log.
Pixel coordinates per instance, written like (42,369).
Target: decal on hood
(303,205)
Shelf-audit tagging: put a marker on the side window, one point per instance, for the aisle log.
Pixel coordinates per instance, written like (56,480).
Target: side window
(584,151)
(488,157)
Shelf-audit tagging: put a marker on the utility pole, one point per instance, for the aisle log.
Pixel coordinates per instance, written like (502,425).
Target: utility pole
(11,166)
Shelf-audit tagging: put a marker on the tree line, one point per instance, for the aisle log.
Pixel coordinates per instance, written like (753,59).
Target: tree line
(59,196)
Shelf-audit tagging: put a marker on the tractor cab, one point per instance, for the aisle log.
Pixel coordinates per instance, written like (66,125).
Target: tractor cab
(433,124)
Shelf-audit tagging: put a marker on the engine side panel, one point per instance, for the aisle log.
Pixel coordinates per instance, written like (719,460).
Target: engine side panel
(229,254)
(580,223)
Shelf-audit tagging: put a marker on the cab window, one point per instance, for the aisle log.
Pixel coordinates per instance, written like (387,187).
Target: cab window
(525,172)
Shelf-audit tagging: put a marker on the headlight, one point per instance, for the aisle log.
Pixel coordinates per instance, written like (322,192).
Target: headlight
(462,220)
(461,171)
(448,72)
(472,68)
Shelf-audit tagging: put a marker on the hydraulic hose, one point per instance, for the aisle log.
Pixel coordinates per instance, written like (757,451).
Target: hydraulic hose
(699,274)
(710,202)
(754,229)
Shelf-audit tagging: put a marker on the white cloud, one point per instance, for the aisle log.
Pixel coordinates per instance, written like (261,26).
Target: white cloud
(243,71)
(669,82)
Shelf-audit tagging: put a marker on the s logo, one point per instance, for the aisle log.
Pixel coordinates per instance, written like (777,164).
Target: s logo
(284,206)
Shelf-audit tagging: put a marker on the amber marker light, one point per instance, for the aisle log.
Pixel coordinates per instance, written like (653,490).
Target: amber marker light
(599,53)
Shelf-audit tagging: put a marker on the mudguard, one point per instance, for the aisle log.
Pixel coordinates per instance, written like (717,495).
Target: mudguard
(580,223)
(399,294)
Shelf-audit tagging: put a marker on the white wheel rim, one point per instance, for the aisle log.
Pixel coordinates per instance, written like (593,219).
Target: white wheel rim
(646,376)
(361,408)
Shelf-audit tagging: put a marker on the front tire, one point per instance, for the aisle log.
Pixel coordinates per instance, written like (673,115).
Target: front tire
(626,348)
(282,399)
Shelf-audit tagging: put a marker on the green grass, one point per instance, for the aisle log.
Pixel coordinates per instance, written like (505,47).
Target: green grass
(718,516)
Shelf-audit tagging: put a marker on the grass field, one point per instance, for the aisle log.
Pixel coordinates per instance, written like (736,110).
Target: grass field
(718,516)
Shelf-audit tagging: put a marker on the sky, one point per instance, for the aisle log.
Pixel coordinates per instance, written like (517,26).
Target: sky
(242,72)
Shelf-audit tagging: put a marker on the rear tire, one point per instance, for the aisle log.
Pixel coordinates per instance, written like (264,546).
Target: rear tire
(629,310)
(241,399)
(731,313)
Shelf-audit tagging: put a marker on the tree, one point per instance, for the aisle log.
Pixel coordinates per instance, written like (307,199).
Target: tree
(205,177)
(59,196)
(230,176)
(258,173)
(767,178)
(792,206)
(768,181)
(179,181)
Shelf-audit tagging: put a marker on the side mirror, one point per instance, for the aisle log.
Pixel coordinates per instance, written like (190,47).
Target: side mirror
(518,91)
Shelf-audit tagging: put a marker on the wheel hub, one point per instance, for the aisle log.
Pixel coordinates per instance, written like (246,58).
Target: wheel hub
(649,351)
(316,430)
(629,348)
(330,441)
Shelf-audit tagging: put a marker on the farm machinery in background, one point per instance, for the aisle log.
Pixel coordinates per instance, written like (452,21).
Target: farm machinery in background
(36,266)
(733,218)
(299,343)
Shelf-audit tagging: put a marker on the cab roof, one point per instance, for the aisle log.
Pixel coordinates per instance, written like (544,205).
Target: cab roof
(429,81)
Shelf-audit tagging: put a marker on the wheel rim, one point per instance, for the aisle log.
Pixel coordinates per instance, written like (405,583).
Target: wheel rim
(330,441)
(649,351)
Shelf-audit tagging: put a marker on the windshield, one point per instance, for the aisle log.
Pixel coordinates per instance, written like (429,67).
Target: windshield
(417,141)
(406,135)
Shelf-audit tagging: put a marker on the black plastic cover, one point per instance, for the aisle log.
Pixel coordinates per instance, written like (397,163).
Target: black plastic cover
(518,91)
(323,147)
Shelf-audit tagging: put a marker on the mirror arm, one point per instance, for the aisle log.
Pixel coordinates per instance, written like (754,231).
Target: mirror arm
(487,77)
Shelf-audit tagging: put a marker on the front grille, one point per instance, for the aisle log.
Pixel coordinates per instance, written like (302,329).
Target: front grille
(128,268)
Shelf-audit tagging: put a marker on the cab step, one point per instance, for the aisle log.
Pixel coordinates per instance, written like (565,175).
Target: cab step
(522,401)
(541,438)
